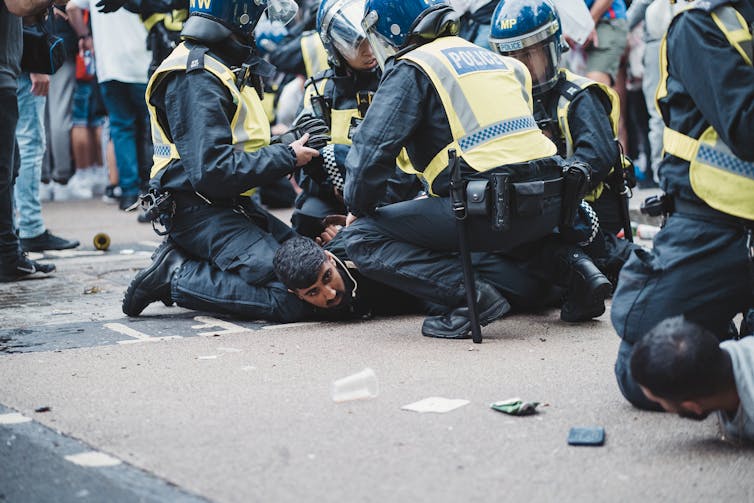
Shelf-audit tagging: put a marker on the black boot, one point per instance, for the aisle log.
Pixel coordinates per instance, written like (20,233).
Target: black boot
(153,283)
(587,289)
(456,323)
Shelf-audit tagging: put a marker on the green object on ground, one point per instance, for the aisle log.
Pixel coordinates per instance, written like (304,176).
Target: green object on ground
(515,407)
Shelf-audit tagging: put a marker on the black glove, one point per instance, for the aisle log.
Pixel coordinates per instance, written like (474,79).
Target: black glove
(107,6)
(318,131)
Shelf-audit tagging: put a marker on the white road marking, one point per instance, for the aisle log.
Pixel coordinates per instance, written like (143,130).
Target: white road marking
(137,336)
(149,244)
(291,325)
(73,253)
(207,357)
(209,322)
(151,339)
(92,459)
(13,418)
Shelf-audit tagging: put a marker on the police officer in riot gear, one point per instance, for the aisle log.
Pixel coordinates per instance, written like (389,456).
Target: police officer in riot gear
(701,263)
(212,148)
(341,96)
(578,114)
(435,97)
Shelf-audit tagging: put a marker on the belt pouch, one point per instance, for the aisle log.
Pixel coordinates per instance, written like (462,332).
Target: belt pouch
(477,200)
(501,201)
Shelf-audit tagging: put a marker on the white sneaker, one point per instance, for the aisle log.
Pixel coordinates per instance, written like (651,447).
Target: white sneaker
(46,192)
(98,177)
(77,188)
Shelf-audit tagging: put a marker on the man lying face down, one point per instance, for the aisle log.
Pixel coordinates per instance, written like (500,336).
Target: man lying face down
(326,279)
(684,367)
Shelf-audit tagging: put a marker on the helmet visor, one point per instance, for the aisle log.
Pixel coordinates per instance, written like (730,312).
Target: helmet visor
(542,62)
(282,11)
(341,26)
(381,46)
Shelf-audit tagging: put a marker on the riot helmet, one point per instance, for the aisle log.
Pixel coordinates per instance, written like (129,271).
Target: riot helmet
(529,30)
(269,35)
(392,25)
(339,27)
(212,21)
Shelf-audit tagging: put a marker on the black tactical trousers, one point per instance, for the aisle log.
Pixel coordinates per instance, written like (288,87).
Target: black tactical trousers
(9,161)
(230,265)
(699,268)
(412,246)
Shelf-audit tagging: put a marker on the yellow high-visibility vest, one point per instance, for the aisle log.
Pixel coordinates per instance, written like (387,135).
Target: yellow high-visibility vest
(249,126)
(342,119)
(563,106)
(173,21)
(487,99)
(718,177)
(314,54)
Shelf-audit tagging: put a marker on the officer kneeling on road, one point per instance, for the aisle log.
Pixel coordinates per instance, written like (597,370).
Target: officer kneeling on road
(701,263)
(212,148)
(578,114)
(341,96)
(441,93)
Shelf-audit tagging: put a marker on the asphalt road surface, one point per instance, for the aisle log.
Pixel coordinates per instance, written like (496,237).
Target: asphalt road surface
(186,406)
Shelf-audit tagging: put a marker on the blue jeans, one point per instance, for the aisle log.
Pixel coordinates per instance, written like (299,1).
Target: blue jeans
(85,111)
(127,109)
(30,134)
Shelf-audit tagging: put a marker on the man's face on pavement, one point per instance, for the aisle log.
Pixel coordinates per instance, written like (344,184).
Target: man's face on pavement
(683,409)
(329,290)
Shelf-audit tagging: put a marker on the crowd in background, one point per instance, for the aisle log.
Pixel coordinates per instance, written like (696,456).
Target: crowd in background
(86,134)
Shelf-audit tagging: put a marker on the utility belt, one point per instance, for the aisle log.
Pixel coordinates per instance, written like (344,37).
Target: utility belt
(184,200)
(666,205)
(527,190)
(161,206)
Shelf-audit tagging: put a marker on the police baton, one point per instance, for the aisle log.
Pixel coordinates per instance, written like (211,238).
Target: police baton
(624,195)
(458,200)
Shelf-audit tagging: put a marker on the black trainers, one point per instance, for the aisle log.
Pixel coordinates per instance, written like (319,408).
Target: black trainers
(153,283)
(47,241)
(24,268)
(126,201)
(456,324)
(112,194)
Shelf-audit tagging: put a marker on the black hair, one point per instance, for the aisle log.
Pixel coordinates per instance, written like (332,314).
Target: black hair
(680,360)
(298,261)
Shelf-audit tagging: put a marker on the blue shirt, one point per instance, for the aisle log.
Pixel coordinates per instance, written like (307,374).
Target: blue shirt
(616,11)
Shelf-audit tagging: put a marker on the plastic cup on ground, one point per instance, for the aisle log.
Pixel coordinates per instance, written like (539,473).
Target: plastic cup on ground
(359,386)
